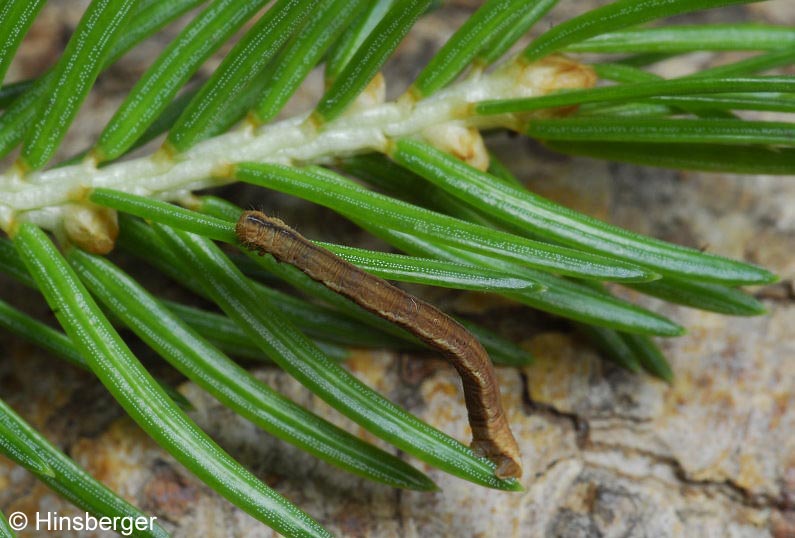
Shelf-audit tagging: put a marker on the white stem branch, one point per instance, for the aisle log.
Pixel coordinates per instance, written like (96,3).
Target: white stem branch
(40,197)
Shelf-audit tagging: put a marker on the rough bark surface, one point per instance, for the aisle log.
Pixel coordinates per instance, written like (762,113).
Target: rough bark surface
(607,453)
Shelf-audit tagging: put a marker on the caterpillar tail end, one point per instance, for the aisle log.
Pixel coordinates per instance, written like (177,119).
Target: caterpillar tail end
(504,452)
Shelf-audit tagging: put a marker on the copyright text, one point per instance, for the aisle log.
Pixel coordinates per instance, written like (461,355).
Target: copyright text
(53,522)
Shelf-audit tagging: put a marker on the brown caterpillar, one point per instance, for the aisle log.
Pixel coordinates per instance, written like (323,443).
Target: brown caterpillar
(491,434)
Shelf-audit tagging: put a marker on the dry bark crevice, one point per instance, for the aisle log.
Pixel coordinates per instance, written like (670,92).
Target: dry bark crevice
(581,427)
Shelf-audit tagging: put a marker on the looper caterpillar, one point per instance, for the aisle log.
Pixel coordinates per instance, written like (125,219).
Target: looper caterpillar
(491,433)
